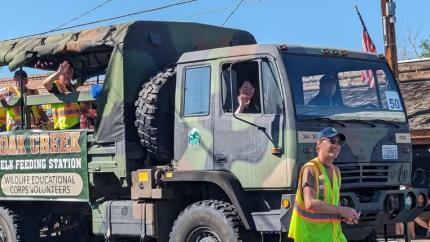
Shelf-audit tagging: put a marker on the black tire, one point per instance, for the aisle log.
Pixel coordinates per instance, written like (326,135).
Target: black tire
(208,220)
(16,228)
(8,226)
(155,115)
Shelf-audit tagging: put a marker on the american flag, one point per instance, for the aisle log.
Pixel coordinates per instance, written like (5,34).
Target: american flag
(368,46)
(367,75)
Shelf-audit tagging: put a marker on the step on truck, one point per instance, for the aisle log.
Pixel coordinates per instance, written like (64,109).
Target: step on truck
(170,157)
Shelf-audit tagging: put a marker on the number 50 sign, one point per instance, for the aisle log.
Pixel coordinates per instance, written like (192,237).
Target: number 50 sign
(393,100)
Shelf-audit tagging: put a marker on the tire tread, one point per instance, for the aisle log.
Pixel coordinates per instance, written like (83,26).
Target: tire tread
(225,209)
(155,114)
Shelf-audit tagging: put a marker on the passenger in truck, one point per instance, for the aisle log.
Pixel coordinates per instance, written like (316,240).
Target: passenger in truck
(88,115)
(65,115)
(326,95)
(35,114)
(244,99)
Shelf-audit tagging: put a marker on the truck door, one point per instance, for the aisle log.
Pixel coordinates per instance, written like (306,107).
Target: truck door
(248,140)
(193,130)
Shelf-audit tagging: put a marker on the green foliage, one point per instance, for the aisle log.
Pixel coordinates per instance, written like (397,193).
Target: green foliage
(425,47)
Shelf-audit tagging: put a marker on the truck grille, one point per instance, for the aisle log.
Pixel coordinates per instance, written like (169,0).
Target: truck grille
(363,173)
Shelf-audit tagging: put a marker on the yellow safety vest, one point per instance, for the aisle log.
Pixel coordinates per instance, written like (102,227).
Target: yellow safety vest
(13,117)
(2,118)
(13,114)
(309,226)
(65,115)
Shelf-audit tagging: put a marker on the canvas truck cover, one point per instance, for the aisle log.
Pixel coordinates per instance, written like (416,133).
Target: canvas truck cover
(128,54)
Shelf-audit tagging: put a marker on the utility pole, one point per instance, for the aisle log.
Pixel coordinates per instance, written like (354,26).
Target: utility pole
(388,9)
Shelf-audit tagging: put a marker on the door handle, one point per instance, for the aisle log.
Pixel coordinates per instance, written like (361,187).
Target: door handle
(221,158)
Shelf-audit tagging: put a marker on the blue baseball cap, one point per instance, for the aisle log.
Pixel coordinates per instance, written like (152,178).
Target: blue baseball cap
(330,132)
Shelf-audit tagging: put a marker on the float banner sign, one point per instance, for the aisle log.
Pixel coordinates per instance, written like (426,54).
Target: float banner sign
(44,165)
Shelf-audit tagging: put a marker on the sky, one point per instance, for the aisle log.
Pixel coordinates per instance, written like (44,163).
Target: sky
(328,23)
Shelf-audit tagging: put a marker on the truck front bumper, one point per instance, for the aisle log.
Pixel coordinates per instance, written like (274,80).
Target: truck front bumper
(384,207)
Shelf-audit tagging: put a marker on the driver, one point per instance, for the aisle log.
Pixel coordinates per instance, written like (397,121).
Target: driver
(326,95)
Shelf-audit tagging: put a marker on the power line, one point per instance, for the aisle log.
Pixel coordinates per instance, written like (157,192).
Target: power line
(80,16)
(207,12)
(216,10)
(109,19)
(232,12)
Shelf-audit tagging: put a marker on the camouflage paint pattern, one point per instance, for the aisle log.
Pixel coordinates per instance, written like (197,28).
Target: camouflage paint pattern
(247,152)
(228,143)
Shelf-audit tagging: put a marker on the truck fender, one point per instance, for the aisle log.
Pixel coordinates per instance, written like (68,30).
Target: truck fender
(227,182)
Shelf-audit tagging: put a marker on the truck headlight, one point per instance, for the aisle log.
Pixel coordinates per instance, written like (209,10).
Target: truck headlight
(391,203)
(409,201)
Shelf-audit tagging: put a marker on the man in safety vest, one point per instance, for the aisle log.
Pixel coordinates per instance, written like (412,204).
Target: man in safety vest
(317,214)
(65,115)
(13,118)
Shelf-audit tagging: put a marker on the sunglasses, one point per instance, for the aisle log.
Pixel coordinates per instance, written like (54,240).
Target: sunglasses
(334,141)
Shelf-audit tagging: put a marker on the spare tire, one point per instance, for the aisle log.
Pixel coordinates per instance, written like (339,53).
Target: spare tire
(155,115)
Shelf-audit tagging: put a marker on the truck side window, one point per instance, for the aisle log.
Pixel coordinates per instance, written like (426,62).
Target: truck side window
(197,91)
(228,77)
(272,99)
(245,83)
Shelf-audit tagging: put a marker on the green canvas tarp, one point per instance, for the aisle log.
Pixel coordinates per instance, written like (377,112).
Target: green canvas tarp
(127,54)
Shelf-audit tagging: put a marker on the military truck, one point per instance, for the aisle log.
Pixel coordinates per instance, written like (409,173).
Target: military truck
(171,159)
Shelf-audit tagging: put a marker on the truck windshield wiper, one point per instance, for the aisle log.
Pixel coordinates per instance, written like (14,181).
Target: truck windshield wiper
(386,122)
(362,121)
(324,119)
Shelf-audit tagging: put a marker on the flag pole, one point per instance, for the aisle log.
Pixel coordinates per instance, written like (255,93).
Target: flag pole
(367,76)
(361,18)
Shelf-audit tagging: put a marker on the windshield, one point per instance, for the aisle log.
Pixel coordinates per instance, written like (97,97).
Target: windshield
(343,89)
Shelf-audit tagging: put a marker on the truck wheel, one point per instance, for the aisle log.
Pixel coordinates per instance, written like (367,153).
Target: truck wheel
(155,114)
(209,220)
(8,226)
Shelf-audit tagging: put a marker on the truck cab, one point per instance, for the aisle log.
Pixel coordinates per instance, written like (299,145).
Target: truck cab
(265,149)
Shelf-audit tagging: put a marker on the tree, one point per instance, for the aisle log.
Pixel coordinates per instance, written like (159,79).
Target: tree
(425,48)
(414,46)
